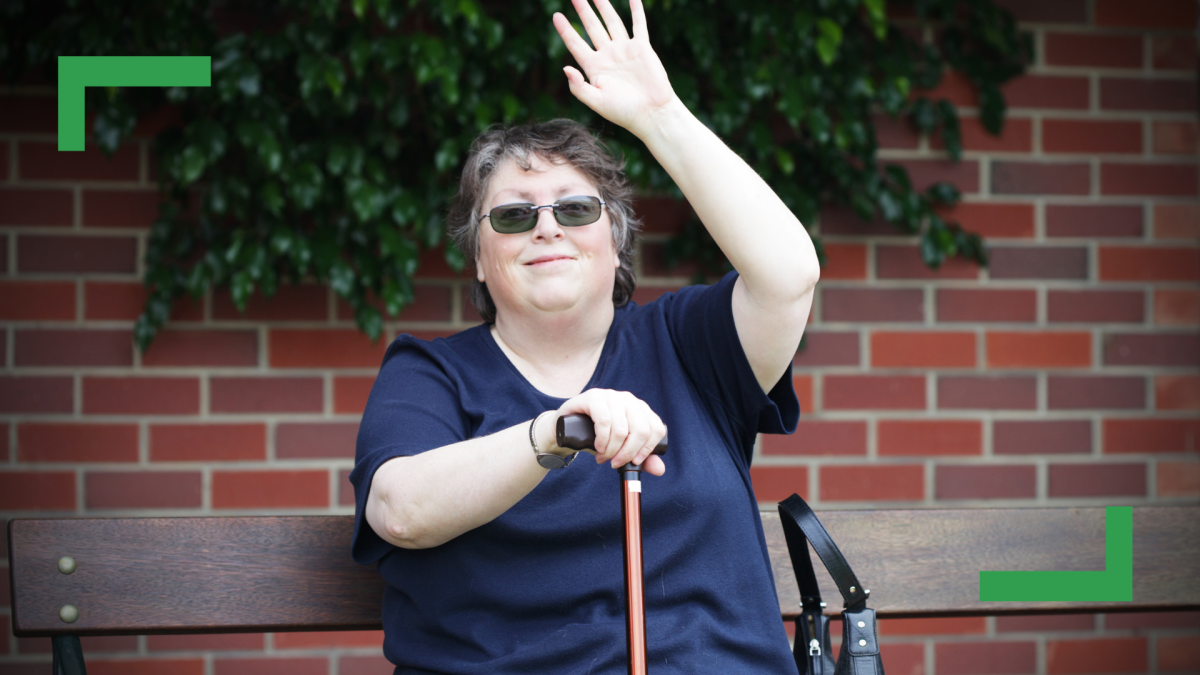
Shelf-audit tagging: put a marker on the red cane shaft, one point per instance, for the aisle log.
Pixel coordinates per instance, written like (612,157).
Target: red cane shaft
(635,610)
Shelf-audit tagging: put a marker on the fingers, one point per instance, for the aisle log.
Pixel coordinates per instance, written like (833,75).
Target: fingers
(654,465)
(627,430)
(580,88)
(574,43)
(616,26)
(639,19)
(591,23)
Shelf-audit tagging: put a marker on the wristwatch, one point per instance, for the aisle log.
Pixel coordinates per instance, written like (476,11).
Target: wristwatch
(547,460)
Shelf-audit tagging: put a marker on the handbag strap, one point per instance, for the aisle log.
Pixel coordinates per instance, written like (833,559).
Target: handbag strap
(800,525)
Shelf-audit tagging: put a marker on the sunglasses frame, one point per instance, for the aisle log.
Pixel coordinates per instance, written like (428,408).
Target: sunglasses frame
(536,211)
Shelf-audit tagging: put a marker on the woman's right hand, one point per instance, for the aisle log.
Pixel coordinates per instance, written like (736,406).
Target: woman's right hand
(627,430)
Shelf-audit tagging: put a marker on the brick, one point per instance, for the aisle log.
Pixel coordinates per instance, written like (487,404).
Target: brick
(143,490)
(1097,655)
(1179,653)
(912,438)
(1176,308)
(874,392)
(1015,136)
(203,348)
(654,263)
(998,657)
(141,396)
(74,348)
(642,295)
(954,87)
(3,165)
(1038,11)
(1038,350)
(1157,180)
(432,265)
(471,315)
(208,442)
(37,491)
(1175,138)
(277,489)
(922,350)
(144,666)
(45,207)
(305,302)
(839,438)
(1048,91)
(904,262)
(1093,221)
(123,301)
(76,254)
(1177,221)
(803,386)
(993,219)
(266,394)
(895,133)
(1046,623)
(315,440)
(966,625)
(1041,178)
(987,393)
(1173,14)
(345,488)
(1038,262)
(1091,136)
(1140,349)
(844,261)
(36,394)
(1177,392)
(925,172)
(777,483)
(1097,51)
(1041,437)
(37,301)
(308,665)
(1095,306)
(1127,436)
(1151,620)
(878,483)
(324,349)
(329,639)
(663,215)
(828,349)
(77,442)
(844,221)
(89,644)
(120,208)
(363,665)
(986,305)
(1096,392)
(872,304)
(1119,93)
(1173,52)
(430,303)
(43,161)
(3,254)
(350,394)
(1178,479)
(196,643)
(1097,480)
(28,114)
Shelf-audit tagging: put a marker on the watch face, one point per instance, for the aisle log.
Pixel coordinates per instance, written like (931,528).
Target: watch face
(551,461)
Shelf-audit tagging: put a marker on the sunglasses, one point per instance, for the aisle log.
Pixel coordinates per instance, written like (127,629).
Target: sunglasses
(568,211)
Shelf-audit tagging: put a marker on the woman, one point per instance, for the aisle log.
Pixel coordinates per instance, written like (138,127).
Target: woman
(494,561)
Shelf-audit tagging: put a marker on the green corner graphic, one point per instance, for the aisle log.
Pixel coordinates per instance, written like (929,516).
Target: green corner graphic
(77,72)
(1114,584)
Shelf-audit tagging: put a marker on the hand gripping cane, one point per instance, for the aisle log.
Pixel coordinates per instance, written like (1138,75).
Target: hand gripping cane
(578,433)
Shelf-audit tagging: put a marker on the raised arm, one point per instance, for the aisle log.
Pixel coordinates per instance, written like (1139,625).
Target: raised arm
(770,249)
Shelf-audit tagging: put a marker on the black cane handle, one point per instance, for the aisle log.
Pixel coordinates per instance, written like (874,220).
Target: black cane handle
(578,433)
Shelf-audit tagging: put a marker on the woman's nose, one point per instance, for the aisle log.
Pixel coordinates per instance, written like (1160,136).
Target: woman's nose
(546,226)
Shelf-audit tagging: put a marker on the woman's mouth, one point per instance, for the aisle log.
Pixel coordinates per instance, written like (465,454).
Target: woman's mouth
(548,260)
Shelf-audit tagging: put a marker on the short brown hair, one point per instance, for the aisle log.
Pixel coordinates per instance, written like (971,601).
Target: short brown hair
(556,140)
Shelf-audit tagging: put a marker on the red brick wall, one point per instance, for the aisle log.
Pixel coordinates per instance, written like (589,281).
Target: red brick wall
(1066,374)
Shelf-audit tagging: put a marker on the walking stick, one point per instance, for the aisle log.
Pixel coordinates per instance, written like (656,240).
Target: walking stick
(578,433)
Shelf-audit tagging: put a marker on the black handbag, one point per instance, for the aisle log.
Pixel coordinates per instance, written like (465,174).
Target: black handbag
(860,644)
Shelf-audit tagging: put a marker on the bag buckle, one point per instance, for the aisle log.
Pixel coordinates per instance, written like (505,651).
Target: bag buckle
(814,648)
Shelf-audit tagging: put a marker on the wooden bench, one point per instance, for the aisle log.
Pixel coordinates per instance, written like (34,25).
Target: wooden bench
(143,576)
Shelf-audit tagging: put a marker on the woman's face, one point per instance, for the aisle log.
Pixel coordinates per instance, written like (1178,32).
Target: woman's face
(551,267)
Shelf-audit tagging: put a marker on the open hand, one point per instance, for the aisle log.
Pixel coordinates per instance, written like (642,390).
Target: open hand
(626,82)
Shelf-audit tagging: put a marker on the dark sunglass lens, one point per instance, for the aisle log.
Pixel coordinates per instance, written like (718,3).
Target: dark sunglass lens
(513,218)
(576,211)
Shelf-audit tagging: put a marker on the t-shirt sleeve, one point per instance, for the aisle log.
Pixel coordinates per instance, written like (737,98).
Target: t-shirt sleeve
(700,320)
(414,406)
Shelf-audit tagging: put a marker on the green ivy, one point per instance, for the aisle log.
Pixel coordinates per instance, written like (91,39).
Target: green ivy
(334,131)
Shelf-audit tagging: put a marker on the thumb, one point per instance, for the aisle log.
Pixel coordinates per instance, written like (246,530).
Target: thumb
(589,95)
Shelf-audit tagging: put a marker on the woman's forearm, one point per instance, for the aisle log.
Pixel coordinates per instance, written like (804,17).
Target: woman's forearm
(428,499)
(758,233)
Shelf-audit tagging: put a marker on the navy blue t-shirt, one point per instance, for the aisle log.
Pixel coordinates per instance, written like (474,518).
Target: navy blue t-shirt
(541,588)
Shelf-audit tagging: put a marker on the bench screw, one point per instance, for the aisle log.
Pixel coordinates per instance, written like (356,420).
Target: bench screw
(66,564)
(68,613)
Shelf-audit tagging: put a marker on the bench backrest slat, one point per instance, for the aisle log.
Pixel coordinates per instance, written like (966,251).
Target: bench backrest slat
(253,574)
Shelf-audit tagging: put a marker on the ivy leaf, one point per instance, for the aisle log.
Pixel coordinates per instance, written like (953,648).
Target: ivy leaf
(369,321)
(877,16)
(113,124)
(829,38)
(341,278)
(240,288)
(944,193)
(785,161)
(191,164)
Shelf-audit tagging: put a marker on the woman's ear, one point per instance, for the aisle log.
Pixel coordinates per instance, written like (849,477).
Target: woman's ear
(479,272)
